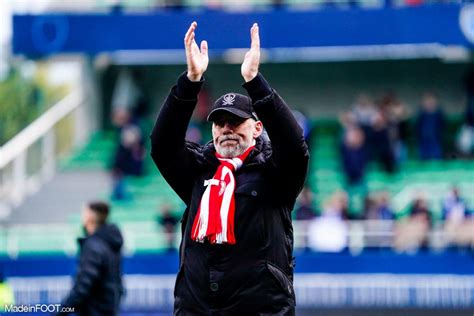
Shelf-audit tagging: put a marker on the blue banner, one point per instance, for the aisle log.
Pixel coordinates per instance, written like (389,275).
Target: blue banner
(444,24)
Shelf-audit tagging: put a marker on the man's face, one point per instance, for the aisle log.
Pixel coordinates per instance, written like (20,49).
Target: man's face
(89,220)
(232,135)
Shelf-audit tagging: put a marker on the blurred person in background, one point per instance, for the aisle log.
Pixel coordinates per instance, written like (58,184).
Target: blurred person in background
(7,297)
(305,123)
(458,220)
(305,209)
(130,153)
(411,233)
(430,126)
(465,137)
(239,189)
(381,143)
(354,155)
(168,221)
(329,232)
(362,114)
(379,216)
(364,111)
(378,140)
(98,288)
(397,115)
(378,207)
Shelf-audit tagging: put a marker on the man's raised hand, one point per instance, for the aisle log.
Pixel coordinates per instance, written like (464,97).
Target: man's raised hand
(197,59)
(251,62)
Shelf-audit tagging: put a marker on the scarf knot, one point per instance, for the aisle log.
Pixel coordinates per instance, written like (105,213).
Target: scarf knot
(214,220)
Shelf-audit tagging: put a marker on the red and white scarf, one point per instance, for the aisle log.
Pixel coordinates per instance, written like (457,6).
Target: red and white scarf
(215,217)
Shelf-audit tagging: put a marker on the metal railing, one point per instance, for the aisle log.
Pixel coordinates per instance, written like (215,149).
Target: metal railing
(148,236)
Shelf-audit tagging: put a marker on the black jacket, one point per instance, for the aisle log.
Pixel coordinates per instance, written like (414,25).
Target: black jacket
(255,275)
(98,285)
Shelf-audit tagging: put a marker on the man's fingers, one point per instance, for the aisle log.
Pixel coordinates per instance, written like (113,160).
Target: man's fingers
(255,37)
(190,33)
(192,41)
(204,48)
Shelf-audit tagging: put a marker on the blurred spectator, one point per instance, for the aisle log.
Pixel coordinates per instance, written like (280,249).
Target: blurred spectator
(378,207)
(364,111)
(465,140)
(354,156)
(6,293)
(129,154)
(305,125)
(379,216)
(305,209)
(454,206)
(397,116)
(458,221)
(378,141)
(381,143)
(430,126)
(420,211)
(370,207)
(412,233)
(329,232)
(168,221)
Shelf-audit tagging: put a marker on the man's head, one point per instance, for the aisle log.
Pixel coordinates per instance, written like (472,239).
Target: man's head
(429,101)
(235,125)
(94,215)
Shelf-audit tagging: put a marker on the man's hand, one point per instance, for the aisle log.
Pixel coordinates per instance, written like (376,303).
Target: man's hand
(251,62)
(196,59)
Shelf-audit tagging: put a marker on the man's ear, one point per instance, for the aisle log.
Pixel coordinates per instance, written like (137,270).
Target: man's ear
(258,129)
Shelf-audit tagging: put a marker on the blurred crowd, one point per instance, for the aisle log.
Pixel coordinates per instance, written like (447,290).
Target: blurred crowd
(386,132)
(409,230)
(379,131)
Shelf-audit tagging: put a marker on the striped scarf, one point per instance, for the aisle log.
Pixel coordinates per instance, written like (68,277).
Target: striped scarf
(215,217)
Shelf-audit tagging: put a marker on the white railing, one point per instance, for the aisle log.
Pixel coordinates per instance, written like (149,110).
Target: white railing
(29,159)
(148,236)
(16,180)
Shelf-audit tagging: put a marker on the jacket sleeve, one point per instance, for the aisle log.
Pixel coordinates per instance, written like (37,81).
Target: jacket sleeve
(290,152)
(169,149)
(89,271)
